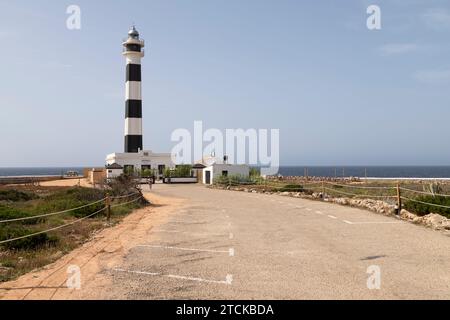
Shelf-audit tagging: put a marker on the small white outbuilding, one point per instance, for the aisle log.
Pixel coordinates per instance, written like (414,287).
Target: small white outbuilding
(215,170)
(113,170)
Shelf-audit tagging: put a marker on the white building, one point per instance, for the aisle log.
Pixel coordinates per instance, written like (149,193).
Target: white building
(141,160)
(113,170)
(215,168)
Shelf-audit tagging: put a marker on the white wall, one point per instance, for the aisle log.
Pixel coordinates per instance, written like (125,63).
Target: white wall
(233,170)
(114,173)
(139,159)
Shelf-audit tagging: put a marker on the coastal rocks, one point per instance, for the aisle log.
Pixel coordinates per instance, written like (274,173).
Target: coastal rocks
(407,215)
(432,220)
(436,221)
(369,204)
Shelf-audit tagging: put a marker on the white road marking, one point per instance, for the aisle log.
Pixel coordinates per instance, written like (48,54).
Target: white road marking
(319,212)
(228,279)
(191,233)
(378,222)
(139,272)
(186,221)
(348,222)
(308,209)
(332,217)
(229,251)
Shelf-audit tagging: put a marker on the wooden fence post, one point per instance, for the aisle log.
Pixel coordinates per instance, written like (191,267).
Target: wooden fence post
(399,199)
(108,207)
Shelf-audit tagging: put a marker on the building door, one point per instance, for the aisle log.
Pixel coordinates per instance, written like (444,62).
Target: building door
(208,177)
(161,168)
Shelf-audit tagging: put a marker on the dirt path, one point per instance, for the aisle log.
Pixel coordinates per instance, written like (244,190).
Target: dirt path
(83,182)
(106,250)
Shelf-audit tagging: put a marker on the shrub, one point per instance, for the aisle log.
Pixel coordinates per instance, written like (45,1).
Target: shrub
(34,242)
(72,198)
(180,171)
(291,188)
(147,173)
(233,180)
(422,209)
(8,213)
(123,185)
(15,195)
(255,173)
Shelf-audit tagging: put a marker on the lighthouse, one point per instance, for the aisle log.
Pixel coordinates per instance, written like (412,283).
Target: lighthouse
(133,53)
(135,158)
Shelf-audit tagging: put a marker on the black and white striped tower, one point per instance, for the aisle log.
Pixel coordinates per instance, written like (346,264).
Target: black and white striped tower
(132,50)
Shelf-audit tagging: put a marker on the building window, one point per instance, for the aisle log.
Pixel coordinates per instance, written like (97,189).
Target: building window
(161,168)
(224,173)
(128,168)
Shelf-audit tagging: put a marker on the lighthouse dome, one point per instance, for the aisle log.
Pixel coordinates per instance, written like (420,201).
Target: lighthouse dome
(133,33)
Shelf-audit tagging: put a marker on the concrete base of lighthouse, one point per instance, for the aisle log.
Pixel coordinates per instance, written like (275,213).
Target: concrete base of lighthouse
(144,159)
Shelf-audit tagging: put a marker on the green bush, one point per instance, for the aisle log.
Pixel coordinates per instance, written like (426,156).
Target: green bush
(147,173)
(255,173)
(424,209)
(180,171)
(291,188)
(16,195)
(34,242)
(71,198)
(233,180)
(8,213)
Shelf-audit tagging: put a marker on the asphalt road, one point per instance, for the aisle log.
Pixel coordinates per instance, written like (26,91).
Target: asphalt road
(236,245)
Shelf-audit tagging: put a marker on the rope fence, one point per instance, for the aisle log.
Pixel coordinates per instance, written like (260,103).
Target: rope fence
(390,192)
(358,195)
(426,203)
(424,192)
(360,187)
(107,207)
(53,213)
(52,229)
(125,203)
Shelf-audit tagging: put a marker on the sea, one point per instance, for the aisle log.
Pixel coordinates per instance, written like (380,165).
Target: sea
(318,171)
(37,171)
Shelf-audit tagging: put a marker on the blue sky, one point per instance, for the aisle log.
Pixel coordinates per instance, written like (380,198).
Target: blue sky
(339,93)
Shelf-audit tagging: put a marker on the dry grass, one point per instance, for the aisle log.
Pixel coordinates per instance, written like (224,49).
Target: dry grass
(17,261)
